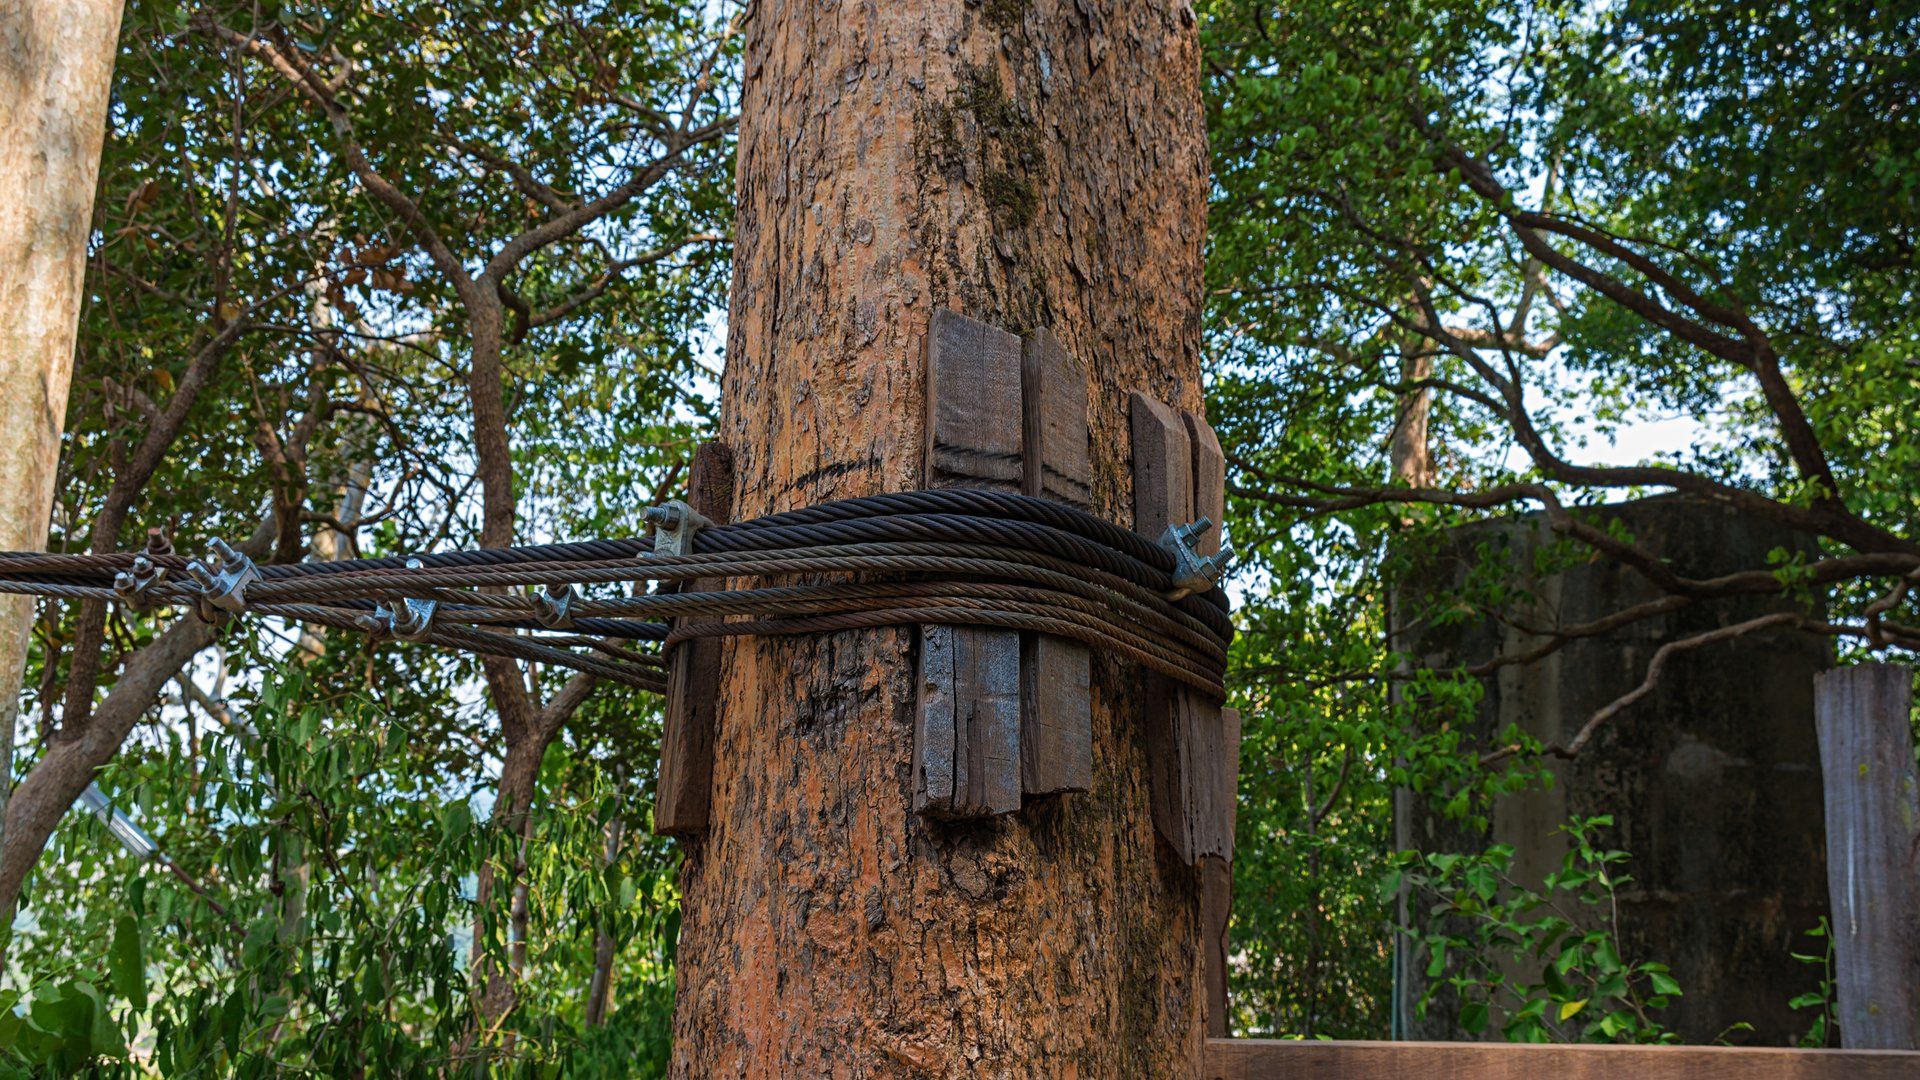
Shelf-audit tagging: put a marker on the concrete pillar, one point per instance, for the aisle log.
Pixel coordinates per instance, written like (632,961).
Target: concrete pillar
(1713,780)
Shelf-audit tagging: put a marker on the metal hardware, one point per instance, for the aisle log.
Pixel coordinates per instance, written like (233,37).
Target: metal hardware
(1192,571)
(404,618)
(674,526)
(222,578)
(136,586)
(553,607)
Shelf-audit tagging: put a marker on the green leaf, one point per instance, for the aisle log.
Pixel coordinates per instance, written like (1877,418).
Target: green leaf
(1571,1009)
(126,963)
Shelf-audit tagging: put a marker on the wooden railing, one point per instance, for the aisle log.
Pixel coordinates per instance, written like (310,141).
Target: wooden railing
(1263,1059)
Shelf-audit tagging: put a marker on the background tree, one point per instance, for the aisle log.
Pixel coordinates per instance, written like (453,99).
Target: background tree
(1574,219)
(342,252)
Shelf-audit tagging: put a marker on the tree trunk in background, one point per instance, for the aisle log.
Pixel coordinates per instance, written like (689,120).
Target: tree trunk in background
(56,68)
(1028,165)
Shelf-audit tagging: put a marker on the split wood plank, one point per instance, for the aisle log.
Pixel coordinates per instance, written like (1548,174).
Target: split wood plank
(1273,1059)
(1873,851)
(1216,913)
(1056,708)
(1178,476)
(966,747)
(684,795)
(1163,496)
(1215,728)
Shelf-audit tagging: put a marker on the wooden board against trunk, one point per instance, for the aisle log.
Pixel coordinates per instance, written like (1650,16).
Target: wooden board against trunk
(1056,674)
(684,790)
(966,740)
(1030,165)
(1863,715)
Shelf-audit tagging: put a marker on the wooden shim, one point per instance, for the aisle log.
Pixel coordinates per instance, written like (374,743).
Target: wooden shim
(967,721)
(1263,1059)
(1162,496)
(683,803)
(1873,852)
(1162,467)
(968,738)
(1209,480)
(1216,913)
(1056,701)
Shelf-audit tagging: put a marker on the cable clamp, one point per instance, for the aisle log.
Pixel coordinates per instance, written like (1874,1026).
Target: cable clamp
(1192,571)
(222,577)
(404,618)
(135,587)
(674,526)
(553,607)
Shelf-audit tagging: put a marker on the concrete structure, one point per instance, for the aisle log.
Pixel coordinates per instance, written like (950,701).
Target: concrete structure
(1713,780)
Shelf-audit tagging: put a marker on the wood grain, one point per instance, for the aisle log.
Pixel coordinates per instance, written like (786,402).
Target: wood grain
(684,789)
(1216,917)
(1261,1059)
(1209,480)
(1163,496)
(1056,674)
(967,757)
(1873,851)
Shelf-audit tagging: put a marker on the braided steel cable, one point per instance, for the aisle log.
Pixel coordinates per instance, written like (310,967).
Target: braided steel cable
(959,557)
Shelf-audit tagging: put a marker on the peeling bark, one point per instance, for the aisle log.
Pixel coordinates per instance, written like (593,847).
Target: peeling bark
(1028,165)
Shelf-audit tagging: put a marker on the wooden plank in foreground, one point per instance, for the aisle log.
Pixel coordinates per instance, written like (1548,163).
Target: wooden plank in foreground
(1056,674)
(1873,850)
(1262,1059)
(683,802)
(966,745)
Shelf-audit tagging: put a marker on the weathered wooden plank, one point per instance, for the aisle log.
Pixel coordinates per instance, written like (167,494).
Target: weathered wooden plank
(1873,851)
(1059,466)
(684,790)
(1056,707)
(1263,1059)
(1209,480)
(1162,496)
(967,731)
(1216,913)
(1162,467)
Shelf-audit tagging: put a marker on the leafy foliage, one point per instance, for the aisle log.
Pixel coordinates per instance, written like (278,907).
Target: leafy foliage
(1545,964)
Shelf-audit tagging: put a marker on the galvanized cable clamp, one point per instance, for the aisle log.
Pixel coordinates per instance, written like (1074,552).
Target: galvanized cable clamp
(405,618)
(553,607)
(222,579)
(1192,571)
(675,524)
(136,586)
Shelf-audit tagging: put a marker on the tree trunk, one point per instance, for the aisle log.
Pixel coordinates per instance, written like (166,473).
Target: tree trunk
(1028,165)
(58,58)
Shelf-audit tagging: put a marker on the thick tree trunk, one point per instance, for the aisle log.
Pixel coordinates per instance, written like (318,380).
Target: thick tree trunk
(1028,165)
(56,68)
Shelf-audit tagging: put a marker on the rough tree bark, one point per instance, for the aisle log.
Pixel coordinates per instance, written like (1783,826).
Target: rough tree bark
(1026,164)
(56,68)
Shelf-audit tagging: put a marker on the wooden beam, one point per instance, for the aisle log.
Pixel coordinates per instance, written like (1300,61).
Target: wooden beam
(684,791)
(1193,746)
(967,721)
(1261,1059)
(1163,496)
(1216,918)
(1873,851)
(1056,697)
